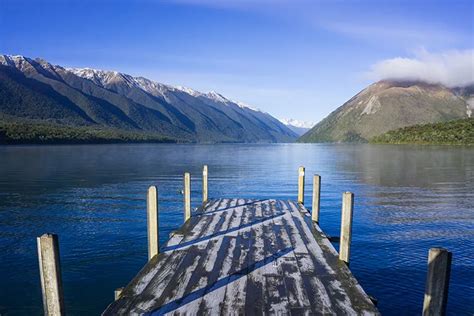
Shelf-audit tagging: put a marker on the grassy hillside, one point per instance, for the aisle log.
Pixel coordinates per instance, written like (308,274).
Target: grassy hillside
(458,132)
(25,132)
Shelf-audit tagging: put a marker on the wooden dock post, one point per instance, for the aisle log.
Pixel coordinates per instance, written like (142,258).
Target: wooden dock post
(301,185)
(152,222)
(50,273)
(316,198)
(204,184)
(118,292)
(187,196)
(346,226)
(437,282)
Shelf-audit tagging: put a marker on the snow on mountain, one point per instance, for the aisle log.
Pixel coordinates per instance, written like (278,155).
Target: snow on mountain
(213,95)
(189,91)
(11,59)
(111,99)
(104,77)
(244,105)
(297,123)
(299,127)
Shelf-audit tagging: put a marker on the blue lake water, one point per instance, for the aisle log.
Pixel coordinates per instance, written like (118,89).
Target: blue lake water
(407,199)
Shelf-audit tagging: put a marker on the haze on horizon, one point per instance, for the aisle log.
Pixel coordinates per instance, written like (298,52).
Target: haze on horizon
(294,59)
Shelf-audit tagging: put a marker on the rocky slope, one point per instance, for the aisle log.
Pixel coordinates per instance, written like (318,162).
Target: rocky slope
(389,105)
(37,90)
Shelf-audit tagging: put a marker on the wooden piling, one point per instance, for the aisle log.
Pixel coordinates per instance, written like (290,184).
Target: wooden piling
(301,185)
(437,282)
(187,196)
(204,184)
(346,226)
(118,292)
(316,198)
(50,273)
(152,222)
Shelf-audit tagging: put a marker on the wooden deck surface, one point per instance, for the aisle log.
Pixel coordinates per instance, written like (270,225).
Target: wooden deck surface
(251,257)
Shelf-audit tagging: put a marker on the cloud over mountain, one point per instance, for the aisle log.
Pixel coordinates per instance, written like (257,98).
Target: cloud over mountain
(452,68)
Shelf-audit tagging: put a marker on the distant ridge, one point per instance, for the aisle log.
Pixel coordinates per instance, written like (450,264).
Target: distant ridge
(389,105)
(297,126)
(35,90)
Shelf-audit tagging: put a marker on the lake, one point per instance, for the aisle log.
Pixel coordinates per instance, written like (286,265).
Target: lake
(407,199)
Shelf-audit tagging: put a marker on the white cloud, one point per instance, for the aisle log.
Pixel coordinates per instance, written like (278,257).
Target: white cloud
(453,68)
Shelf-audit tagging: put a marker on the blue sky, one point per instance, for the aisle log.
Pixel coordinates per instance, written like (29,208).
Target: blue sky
(296,59)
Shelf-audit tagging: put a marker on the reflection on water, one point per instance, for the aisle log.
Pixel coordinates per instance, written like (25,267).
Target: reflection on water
(408,199)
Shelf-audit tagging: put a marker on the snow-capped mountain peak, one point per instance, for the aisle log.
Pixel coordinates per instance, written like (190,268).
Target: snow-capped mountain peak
(112,99)
(297,126)
(105,77)
(245,105)
(297,123)
(217,97)
(15,61)
(189,91)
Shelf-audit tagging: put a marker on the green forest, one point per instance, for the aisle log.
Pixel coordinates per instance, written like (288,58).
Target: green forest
(456,132)
(25,132)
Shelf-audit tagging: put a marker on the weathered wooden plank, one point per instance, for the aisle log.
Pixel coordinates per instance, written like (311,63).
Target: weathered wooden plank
(235,291)
(205,272)
(311,268)
(187,274)
(255,285)
(155,277)
(298,298)
(343,289)
(245,257)
(275,296)
(199,281)
(318,300)
(213,299)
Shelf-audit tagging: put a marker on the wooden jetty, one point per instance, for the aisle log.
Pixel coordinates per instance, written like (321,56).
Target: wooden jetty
(244,257)
(240,256)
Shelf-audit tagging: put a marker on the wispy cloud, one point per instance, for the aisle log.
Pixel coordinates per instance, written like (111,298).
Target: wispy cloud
(234,4)
(365,22)
(395,33)
(453,68)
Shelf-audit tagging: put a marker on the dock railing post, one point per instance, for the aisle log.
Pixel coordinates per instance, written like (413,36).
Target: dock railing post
(346,226)
(204,184)
(118,293)
(152,222)
(187,196)
(301,185)
(437,282)
(50,273)
(316,198)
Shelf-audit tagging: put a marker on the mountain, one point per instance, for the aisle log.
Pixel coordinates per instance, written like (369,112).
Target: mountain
(389,105)
(299,127)
(37,91)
